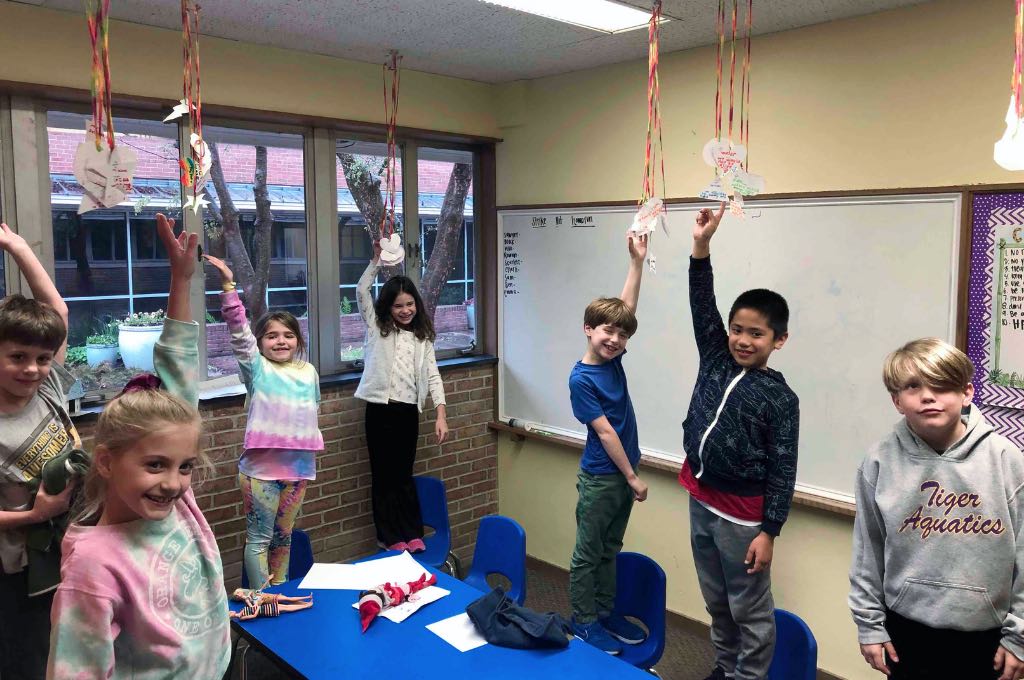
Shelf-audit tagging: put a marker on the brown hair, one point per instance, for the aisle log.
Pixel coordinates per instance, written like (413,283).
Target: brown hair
(124,421)
(611,311)
(29,322)
(933,361)
(286,319)
(422,326)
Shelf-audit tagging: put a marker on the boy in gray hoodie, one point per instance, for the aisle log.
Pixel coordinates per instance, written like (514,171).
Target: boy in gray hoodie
(937,579)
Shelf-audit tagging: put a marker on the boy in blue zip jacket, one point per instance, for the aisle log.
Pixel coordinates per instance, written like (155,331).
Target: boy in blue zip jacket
(740,438)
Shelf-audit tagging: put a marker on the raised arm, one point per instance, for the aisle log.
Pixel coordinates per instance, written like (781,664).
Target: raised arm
(243,342)
(39,281)
(182,253)
(364,298)
(708,329)
(637,255)
(705,228)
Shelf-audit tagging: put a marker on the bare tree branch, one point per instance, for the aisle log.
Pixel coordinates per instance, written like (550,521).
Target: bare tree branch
(449,231)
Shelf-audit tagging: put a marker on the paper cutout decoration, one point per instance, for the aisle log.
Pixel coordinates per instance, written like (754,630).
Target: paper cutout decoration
(1009,150)
(196,202)
(372,602)
(195,168)
(746,183)
(179,110)
(736,206)
(105,174)
(649,217)
(391,250)
(714,191)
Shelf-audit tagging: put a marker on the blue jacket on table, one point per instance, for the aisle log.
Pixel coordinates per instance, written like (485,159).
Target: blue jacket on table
(751,449)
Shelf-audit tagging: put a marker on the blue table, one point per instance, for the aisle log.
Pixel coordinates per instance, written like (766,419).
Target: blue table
(326,642)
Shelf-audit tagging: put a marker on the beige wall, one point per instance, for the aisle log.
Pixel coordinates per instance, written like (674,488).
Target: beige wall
(913,97)
(52,48)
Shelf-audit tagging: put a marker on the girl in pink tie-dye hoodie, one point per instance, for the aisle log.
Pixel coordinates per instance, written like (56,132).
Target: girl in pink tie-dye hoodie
(142,587)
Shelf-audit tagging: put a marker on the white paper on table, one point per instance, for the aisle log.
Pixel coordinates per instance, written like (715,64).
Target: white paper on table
(403,611)
(398,569)
(459,632)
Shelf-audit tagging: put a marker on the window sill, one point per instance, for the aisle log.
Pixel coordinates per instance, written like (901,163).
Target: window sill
(227,390)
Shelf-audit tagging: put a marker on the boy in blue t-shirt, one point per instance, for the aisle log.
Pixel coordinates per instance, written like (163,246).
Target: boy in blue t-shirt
(607,483)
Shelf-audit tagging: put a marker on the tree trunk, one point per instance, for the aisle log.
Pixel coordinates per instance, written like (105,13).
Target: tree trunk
(449,231)
(365,187)
(252,279)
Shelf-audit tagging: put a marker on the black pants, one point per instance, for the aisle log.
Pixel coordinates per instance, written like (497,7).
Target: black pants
(928,653)
(24,629)
(391,433)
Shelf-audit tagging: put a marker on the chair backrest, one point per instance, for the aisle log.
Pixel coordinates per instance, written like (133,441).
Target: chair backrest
(796,650)
(640,592)
(500,549)
(434,507)
(300,558)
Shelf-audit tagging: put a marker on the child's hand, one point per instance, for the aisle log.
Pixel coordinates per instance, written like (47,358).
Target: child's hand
(637,247)
(181,249)
(707,224)
(759,554)
(639,488)
(441,428)
(875,655)
(1007,662)
(10,241)
(226,276)
(45,506)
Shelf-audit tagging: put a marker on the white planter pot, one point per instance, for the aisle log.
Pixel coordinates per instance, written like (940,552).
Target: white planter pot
(136,344)
(97,354)
(471,316)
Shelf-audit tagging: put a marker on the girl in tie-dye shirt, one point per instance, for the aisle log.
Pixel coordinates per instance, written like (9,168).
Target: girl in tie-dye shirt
(282,434)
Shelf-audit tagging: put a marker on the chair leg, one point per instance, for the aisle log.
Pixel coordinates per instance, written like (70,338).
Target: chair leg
(242,674)
(456,565)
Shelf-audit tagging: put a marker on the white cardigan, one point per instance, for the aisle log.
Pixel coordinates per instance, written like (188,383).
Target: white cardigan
(379,355)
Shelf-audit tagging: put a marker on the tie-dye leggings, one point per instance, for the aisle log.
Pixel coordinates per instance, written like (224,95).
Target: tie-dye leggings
(271,507)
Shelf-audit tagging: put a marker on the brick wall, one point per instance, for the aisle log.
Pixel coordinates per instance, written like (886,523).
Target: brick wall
(336,511)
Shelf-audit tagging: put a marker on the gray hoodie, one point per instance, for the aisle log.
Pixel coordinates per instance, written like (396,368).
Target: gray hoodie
(939,539)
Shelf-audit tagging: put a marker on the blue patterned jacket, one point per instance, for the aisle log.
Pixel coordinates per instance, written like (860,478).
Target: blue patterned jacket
(747,445)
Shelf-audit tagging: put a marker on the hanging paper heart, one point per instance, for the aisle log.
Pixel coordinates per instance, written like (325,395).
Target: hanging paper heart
(1009,150)
(202,151)
(710,148)
(727,158)
(391,250)
(105,175)
(649,217)
(746,183)
(714,191)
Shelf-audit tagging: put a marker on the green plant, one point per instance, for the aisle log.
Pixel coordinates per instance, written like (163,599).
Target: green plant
(105,339)
(210,319)
(75,356)
(346,305)
(144,319)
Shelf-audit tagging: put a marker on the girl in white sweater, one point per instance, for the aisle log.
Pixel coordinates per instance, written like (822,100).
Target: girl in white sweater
(399,369)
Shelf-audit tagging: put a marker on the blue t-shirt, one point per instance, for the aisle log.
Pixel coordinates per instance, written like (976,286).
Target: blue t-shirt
(600,390)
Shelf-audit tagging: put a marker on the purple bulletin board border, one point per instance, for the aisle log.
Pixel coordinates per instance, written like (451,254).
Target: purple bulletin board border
(988,211)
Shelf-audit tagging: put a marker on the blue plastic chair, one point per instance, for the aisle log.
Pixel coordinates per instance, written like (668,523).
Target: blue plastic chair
(300,559)
(796,650)
(434,510)
(640,588)
(500,549)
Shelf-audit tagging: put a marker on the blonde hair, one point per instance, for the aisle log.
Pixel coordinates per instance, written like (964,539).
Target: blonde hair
(125,420)
(933,361)
(611,311)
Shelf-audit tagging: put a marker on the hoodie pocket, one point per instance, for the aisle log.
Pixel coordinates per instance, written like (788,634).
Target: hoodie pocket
(947,605)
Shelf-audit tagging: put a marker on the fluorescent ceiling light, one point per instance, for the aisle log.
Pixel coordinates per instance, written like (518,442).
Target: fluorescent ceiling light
(598,15)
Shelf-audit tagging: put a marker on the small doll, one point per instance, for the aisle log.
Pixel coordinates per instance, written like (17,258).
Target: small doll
(259,603)
(373,602)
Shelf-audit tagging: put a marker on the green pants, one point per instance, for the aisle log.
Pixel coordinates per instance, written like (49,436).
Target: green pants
(601,516)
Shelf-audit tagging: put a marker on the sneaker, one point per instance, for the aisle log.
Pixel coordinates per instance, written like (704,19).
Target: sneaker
(417,545)
(622,629)
(717,674)
(400,546)
(594,634)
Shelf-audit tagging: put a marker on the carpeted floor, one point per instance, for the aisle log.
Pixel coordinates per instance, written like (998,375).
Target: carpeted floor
(688,654)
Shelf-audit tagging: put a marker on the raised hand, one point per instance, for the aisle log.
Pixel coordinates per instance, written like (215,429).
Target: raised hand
(637,247)
(181,249)
(9,241)
(707,223)
(226,275)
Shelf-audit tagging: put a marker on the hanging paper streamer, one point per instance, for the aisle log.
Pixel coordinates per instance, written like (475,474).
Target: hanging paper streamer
(1009,151)
(391,250)
(651,210)
(196,161)
(730,158)
(103,169)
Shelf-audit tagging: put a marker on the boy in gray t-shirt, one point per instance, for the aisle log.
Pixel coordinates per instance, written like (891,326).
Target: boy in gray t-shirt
(34,428)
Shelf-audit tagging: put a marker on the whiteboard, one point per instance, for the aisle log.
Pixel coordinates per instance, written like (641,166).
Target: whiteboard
(861,275)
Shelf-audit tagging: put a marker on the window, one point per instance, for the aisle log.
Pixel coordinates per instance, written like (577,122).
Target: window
(360,172)
(257,201)
(108,263)
(446,240)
